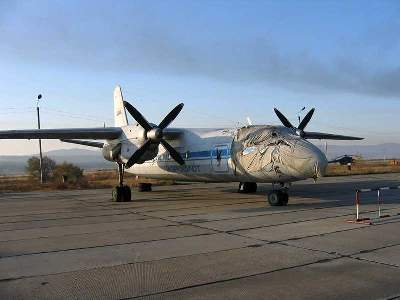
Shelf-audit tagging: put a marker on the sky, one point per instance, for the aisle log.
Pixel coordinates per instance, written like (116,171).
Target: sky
(226,60)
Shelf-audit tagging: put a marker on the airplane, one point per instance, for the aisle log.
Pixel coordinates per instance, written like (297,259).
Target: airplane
(249,155)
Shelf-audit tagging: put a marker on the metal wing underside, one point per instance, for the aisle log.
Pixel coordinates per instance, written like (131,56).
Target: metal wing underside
(107,133)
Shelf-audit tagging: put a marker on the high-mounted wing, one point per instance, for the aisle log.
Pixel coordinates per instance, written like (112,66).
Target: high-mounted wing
(84,143)
(107,133)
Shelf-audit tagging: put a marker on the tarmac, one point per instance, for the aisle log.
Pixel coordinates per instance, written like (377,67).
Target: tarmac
(202,241)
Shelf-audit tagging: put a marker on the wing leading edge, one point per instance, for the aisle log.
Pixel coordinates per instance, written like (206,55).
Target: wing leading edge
(107,133)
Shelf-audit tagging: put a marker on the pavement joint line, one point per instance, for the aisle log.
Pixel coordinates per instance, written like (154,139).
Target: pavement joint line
(314,235)
(277,213)
(310,249)
(302,237)
(124,264)
(66,218)
(163,203)
(90,223)
(88,233)
(267,214)
(232,278)
(229,233)
(106,245)
(287,223)
(335,252)
(374,262)
(205,206)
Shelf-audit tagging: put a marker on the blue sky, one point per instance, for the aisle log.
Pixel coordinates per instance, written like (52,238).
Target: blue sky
(225,60)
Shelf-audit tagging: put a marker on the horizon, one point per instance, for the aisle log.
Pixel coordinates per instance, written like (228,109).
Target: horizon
(226,60)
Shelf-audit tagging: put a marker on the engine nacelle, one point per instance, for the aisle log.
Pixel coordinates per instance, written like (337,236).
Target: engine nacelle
(123,151)
(112,152)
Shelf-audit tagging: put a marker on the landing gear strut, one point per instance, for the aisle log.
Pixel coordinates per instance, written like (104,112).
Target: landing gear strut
(247,187)
(121,193)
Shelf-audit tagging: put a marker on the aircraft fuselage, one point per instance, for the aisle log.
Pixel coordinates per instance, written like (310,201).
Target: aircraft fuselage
(248,154)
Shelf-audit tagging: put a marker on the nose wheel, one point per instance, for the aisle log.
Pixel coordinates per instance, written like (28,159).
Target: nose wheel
(121,193)
(278,198)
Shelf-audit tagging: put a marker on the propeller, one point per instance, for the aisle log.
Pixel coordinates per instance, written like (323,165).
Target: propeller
(311,135)
(154,134)
(303,124)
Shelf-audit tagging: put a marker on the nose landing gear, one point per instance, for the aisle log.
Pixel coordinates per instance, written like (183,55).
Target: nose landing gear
(278,198)
(121,193)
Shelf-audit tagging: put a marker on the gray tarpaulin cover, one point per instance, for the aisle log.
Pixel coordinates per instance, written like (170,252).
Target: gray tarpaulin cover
(262,151)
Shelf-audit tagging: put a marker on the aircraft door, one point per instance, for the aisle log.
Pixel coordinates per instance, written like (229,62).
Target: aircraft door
(219,158)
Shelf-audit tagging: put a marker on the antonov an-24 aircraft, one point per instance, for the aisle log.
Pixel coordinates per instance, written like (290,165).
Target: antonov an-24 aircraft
(248,155)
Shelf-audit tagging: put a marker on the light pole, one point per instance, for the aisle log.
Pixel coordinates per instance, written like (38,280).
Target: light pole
(40,141)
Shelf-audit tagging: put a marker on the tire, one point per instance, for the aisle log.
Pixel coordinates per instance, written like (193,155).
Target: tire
(278,198)
(144,187)
(247,187)
(285,198)
(121,194)
(127,195)
(117,194)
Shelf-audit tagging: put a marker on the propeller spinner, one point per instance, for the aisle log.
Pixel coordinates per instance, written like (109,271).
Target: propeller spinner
(154,134)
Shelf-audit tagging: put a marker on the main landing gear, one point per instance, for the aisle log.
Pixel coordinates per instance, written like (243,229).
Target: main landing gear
(121,193)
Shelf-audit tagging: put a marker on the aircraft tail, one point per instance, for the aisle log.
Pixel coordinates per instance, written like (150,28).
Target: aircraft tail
(120,118)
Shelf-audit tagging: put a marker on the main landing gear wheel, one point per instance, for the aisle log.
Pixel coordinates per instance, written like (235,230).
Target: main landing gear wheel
(121,193)
(278,198)
(247,187)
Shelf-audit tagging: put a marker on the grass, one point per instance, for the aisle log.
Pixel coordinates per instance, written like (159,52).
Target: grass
(91,180)
(363,167)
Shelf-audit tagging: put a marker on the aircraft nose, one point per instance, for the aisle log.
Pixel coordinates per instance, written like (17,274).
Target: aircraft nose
(314,161)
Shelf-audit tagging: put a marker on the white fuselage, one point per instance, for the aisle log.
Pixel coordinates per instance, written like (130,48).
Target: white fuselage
(248,154)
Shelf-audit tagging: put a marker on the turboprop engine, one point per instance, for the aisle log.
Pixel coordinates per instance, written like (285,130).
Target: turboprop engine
(112,152)
(121,152)
(140,143)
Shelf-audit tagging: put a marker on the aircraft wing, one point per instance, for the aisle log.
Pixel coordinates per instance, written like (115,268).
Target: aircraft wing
(329,136)
(107,133)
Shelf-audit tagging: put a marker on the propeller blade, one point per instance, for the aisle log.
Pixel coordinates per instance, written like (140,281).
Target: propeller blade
(171,116)
(329,136)
(283,119)
(138,154)
(306,119)
(137,116)
(174,154)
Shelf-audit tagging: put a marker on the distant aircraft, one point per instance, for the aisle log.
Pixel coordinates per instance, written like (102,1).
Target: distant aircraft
(249,155)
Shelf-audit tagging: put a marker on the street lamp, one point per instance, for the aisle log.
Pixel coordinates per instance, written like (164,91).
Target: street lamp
(40,141)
